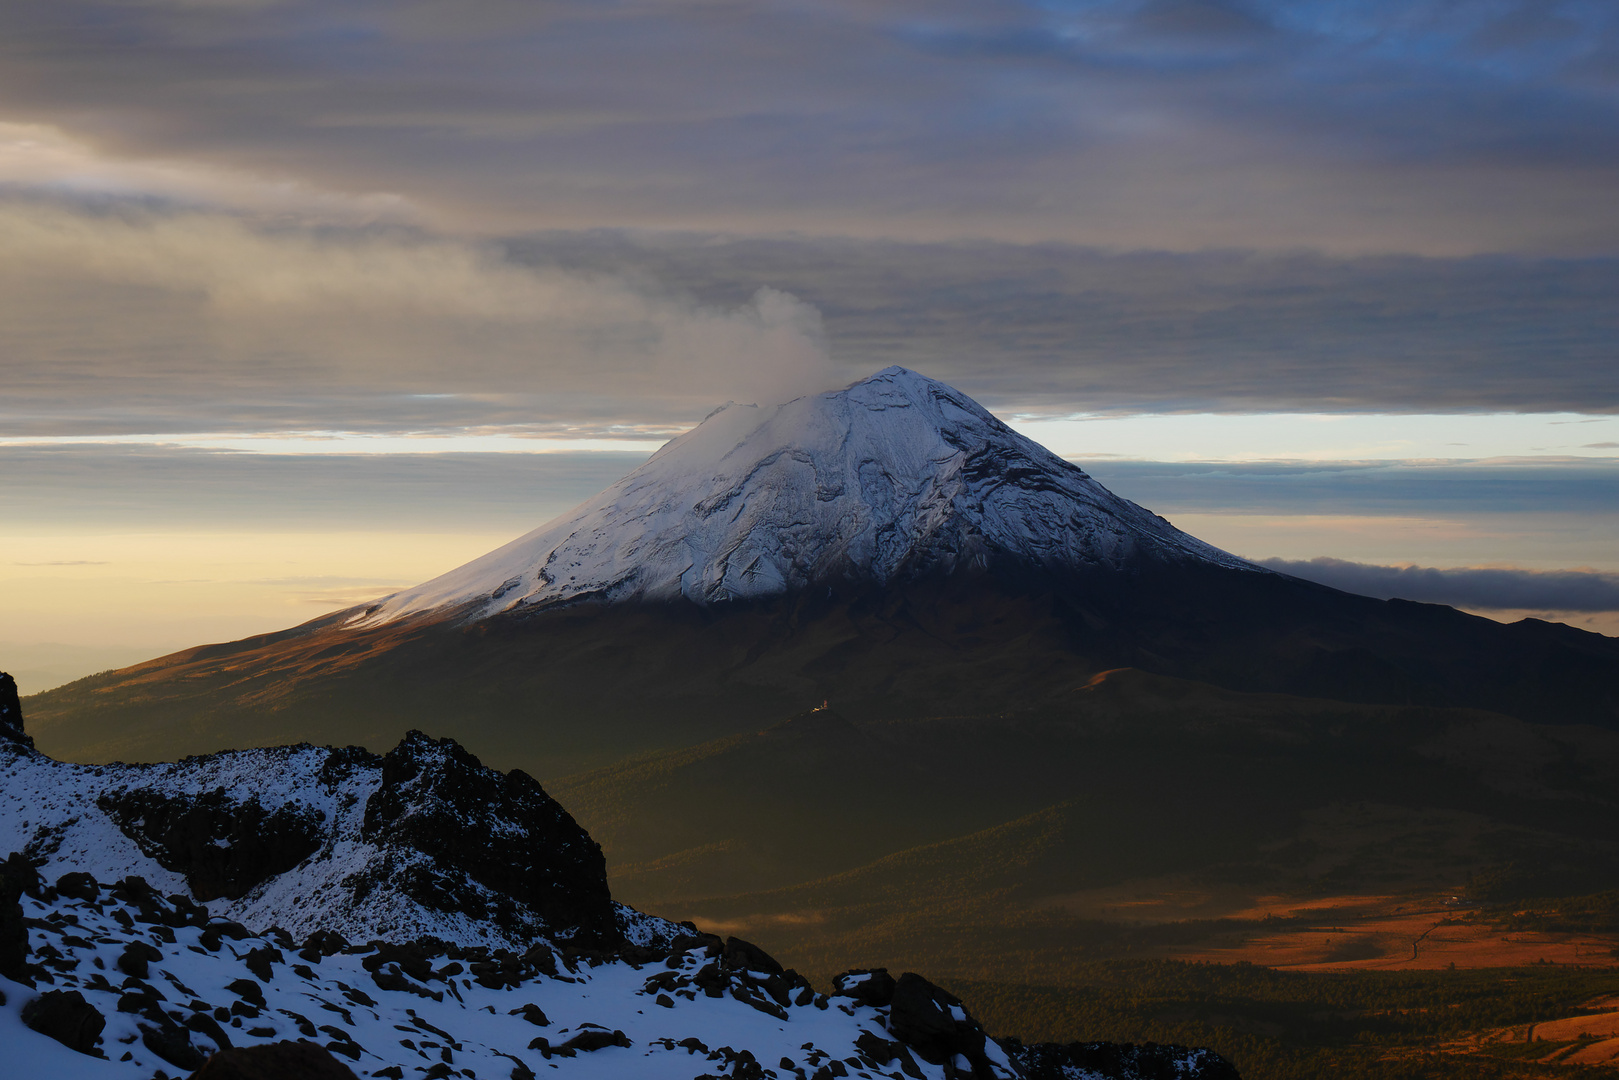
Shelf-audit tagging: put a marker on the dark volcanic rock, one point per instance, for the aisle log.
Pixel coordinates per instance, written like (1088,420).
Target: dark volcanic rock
(1124,1061)
(223,846)
(501,830)
(277,1061)
(136,957)
(172,1045)
(65,1016)
(873,987)
(11,713)
(595,1039)
(746,955)
(79,886)
(934,1023)
(17,876)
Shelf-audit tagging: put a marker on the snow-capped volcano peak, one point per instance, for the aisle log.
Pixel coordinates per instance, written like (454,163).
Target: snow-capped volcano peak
(893,476)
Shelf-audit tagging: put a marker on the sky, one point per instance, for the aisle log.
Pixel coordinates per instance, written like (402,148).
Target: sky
(302,302)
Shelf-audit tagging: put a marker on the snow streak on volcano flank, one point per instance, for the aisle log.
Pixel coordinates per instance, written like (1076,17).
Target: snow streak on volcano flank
(894,477)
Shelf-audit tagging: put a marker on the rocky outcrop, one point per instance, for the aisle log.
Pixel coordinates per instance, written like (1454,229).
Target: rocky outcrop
(500,830)
(167,987)
(224,846)
(11,713)
(17,876)
(288,1060)
(65,1016)
(933,1022)
(422,842)
(1149,1061)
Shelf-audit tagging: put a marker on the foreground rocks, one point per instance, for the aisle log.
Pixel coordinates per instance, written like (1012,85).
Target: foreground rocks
(155,985)
(275,1061)
(426,917)
(422,841)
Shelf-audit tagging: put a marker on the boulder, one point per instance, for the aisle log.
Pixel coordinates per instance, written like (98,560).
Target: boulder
(134,961)
(933,1022)
(17,876)
(65,1016)
(745,955)
(78,886)
(873,987)
(594,1039)
(276,1061)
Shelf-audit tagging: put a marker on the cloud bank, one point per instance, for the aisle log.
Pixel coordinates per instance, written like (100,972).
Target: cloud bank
(1054,327)
(118,317)
(1441,127)
(1478,588)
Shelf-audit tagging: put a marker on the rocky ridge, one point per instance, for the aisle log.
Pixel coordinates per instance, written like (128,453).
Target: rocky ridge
(121,981)
(421,840)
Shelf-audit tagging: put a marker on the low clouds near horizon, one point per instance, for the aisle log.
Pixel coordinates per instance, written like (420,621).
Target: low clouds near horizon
(1473,587)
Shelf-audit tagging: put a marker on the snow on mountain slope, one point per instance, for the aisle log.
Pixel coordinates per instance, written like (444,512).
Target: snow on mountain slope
(893,476)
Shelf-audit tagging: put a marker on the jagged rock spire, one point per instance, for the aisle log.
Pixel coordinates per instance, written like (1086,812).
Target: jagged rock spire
(11,713)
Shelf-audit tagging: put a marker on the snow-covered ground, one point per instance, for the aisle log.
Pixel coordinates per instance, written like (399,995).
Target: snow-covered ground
(418,915)
(655,1019)
(63,815)
(895,475)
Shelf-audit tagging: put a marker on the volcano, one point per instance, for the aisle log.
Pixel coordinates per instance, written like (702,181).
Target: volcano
(891,548)
(897,478)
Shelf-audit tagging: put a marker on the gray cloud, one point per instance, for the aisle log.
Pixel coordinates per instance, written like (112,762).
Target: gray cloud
(281,214)
(1482,588)
(1439,126)
(1052,326)
(116,317)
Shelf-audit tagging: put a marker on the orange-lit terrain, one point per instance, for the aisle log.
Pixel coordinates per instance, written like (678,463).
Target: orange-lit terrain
(1577,1040)
(1377,933)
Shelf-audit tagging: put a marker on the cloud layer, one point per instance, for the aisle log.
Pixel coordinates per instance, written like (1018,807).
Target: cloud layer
(1050,327)
(1431,126)
(123,316)
(1478,588)
(118,317)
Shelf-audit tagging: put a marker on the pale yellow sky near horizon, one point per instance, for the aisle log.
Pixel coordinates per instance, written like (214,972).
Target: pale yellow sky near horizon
(133,596)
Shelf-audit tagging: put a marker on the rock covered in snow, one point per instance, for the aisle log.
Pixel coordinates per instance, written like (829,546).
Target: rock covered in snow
(1101,1061)
(422,841)
(694,1007)
(894,477)
(490,941)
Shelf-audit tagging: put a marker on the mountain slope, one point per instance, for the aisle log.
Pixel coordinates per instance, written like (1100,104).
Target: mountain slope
(890,548)
(898,476)
(1015,847)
